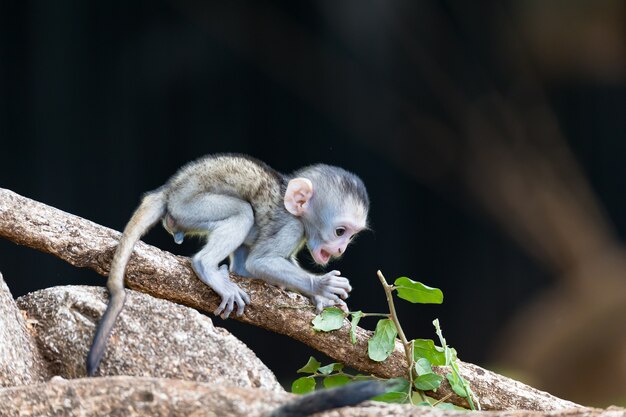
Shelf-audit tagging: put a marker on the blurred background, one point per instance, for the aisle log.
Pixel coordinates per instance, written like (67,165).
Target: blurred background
(491,136)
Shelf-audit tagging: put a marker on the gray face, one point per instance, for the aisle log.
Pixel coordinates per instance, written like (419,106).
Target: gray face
(338,211)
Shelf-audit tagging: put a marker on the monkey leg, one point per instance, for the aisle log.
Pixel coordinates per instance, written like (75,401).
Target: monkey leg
(238,261)
(227,221)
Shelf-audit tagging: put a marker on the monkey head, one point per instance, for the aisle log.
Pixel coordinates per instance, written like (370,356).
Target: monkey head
(332,204)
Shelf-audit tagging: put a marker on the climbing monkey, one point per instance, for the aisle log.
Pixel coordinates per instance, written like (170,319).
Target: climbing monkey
(258,218)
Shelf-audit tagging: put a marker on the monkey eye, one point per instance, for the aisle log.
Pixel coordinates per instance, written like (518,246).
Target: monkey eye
(340,231)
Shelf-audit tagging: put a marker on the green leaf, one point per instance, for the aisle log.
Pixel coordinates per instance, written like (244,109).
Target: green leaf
(330,319)
(303,385)
(398,384)
(422,366)
(450,353)
(311,366)
(399,391)
(356,317)
(425,348)
(457,385)
(326,370)
(428,382)
(417,398)
(393,397)
(416,292)
(448,406)
(335,381)
(380,346)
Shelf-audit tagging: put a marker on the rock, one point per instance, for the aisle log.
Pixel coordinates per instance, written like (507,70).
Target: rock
(135,396)
(156,397)
(152,337)
(20,361)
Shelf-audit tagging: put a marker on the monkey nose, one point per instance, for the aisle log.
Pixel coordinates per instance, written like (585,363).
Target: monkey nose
(341,249)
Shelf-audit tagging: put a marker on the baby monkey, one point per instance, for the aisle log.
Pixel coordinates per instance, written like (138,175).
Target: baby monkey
(257,217)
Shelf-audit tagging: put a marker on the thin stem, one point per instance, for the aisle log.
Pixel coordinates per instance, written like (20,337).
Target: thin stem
(468,391)
(451,362)
(375,315)
(393,315)
(408,346)
(442,400)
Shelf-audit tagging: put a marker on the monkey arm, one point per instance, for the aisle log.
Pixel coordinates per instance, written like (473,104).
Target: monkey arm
(281,272)
(270,260)
(325,290)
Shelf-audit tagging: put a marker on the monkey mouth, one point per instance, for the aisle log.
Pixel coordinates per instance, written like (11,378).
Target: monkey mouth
(321,257)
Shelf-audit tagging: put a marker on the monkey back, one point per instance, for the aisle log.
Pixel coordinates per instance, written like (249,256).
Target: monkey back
(235,175)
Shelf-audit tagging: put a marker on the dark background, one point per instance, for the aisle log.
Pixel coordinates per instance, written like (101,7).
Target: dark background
(102,101)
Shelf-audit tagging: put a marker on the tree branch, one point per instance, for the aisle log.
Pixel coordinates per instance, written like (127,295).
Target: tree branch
(83,243)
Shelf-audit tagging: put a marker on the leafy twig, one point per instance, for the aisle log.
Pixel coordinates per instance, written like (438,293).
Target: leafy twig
(393,315)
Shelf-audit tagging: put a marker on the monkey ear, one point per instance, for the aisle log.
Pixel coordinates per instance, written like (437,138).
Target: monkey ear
(299,192)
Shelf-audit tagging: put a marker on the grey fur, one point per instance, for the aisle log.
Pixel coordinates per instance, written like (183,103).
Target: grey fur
(237,202)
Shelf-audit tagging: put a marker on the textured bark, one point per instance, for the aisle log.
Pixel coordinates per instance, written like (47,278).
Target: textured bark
(86,244)
(135,397)
(20,360)
(152,337)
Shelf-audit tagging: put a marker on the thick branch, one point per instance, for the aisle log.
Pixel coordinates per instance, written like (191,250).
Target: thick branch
(83,243)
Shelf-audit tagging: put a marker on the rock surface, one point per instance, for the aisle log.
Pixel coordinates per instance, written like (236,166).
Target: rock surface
(20,361)
(152,337)
(155,397)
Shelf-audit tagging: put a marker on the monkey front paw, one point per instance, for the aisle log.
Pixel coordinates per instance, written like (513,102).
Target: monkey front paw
(333,286)
(322,302)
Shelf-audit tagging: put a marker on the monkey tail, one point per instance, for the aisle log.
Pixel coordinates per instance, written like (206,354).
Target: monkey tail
(329,399)
(149,212)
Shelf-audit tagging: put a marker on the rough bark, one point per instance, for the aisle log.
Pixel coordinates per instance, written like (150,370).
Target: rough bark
(135,397)
(152,337)
(83,243)
(20,360)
